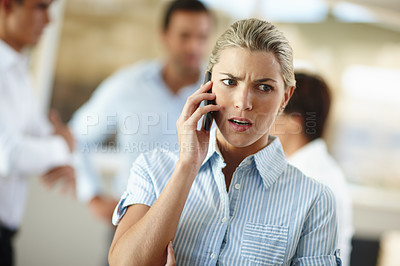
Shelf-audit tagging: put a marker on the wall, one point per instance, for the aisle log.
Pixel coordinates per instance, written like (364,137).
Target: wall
(58,230)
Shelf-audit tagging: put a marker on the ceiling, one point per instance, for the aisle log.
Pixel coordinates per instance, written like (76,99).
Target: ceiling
(392,5)
(387,12)
(384,13)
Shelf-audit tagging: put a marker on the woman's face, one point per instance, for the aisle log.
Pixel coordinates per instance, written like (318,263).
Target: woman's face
(250,89)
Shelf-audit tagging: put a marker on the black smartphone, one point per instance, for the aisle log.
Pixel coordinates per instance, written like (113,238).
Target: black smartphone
(208,117)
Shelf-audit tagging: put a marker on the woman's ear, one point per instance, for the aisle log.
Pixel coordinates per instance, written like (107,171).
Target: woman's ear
(288,94)
(286,97)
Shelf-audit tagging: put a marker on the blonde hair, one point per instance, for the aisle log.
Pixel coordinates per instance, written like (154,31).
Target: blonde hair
(257,35)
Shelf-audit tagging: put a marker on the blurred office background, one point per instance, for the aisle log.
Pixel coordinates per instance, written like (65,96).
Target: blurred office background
(354,44)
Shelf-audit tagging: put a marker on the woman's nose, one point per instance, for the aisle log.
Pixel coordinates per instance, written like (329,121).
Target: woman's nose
(243,99)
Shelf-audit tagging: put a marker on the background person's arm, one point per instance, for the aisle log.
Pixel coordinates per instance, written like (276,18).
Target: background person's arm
(92,124)
(31,154)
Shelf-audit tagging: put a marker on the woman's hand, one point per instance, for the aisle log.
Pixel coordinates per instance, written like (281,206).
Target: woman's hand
(193,143)
(170,255)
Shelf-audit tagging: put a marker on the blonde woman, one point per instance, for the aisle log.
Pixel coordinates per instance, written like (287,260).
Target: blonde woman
(229,197)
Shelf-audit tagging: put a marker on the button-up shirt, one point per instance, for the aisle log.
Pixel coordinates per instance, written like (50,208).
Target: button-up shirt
(272,214)
(26,136)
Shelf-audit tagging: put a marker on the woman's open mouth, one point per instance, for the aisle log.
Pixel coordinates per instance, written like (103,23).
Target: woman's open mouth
(240,124)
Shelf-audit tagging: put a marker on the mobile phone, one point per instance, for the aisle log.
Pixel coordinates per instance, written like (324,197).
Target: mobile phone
(208,117)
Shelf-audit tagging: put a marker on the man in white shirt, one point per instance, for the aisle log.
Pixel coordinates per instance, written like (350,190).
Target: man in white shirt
(140,105)
(300,129)
(30,145)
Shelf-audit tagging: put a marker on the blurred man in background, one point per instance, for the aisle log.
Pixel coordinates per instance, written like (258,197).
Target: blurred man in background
(300,129)
(140,104)
(30,144)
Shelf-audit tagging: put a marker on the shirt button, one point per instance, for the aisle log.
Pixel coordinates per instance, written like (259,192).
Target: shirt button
(213,256)
(223,220)
(237,186)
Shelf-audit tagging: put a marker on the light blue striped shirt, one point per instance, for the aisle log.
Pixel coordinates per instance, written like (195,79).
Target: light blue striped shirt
(271,215)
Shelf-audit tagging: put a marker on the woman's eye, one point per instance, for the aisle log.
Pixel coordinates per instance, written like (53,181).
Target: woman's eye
(265,87)
(229,82)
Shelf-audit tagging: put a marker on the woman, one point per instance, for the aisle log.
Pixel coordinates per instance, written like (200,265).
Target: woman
(229,197)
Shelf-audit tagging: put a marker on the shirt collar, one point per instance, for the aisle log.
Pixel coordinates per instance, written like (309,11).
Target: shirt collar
(10,57)
(270,161)
(212,146)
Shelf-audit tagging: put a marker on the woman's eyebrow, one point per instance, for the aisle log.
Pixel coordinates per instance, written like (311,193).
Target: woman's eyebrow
(264,80)
(255,81)
(230,76)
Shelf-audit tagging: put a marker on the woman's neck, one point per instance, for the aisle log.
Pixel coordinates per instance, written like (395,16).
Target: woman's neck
(232,153)
(233,156)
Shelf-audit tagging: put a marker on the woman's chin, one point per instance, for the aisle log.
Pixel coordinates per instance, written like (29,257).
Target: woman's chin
(241,140)
(234,139)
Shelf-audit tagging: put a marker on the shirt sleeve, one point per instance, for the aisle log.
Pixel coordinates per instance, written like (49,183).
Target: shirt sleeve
(344,214)
(92,124)
(140,189)
(31,155)
(31,148)
(4,155)
(318,240)
(88,181)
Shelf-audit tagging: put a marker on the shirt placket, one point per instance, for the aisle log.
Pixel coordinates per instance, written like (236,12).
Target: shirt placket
(233,195)
(222,218)
(236,186)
